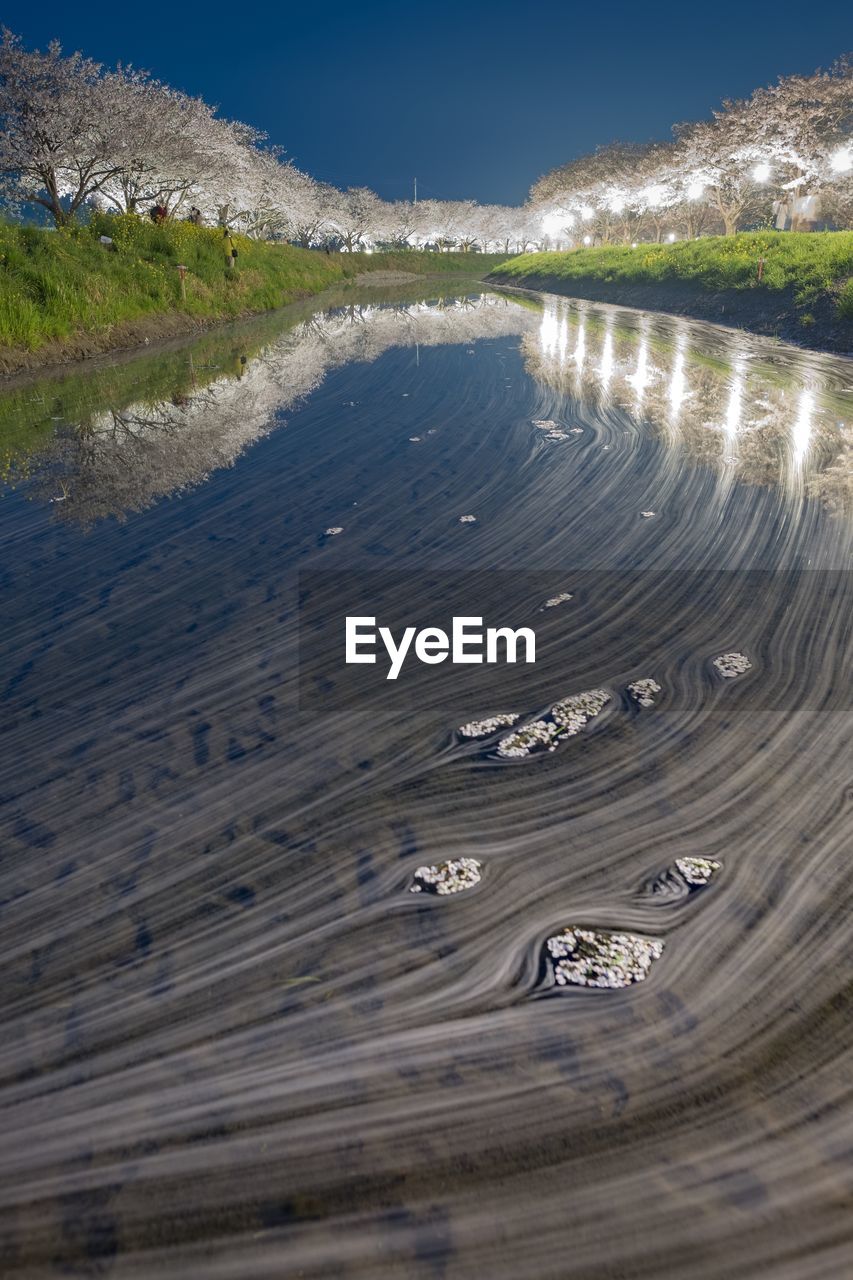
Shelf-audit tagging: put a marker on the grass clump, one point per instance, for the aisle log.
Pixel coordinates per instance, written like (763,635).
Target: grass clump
(845,301)
(811,264)
(55,284)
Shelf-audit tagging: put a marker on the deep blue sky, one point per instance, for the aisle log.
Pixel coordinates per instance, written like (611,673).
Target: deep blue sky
(476,99)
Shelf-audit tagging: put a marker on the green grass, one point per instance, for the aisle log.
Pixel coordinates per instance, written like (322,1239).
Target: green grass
(845,302)
(57,284)
(811,264)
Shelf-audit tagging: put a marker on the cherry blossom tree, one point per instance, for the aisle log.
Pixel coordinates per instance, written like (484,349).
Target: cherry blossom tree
(720,157)
(59,134)
(170,148)
(354,217)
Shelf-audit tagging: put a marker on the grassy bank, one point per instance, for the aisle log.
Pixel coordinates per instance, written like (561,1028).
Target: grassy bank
(58,288)
(805,293)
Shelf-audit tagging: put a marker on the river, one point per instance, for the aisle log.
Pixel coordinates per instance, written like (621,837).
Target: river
(235,1044)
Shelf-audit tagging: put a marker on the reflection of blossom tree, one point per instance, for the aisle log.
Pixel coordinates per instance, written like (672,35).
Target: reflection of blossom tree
(720,402)
(119,460)
(728,409)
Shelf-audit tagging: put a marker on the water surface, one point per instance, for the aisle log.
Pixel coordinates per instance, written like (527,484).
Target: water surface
(234,1044)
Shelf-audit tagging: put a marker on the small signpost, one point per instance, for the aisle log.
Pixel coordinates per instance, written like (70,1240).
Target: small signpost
(182,273)
(760,269)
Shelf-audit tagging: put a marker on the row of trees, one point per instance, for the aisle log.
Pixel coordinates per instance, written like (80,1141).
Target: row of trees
(785,154)
(74,134)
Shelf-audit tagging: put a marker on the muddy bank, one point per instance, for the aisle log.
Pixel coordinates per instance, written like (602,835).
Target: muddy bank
(772,313)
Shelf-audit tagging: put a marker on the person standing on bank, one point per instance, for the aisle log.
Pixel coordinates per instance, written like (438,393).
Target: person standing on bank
(230,249)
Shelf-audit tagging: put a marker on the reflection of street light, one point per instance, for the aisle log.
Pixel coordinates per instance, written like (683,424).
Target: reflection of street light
(761,172)
(841,161)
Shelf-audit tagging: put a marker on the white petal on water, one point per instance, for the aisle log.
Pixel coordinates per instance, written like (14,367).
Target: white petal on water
(564,719)
(732,664)
(591,958)
(697,871)
(553,601)
(482,728)
(443,878)
(643,691)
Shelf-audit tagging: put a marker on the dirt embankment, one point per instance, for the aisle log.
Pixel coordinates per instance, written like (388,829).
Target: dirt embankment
(771,312)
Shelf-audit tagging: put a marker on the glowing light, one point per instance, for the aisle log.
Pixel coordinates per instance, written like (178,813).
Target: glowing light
(677,382)
(695,190)
(761,172)
(606,368)
(802,432)
(641,378)
(549,333)
(654,196)
(587,239)
(634,244)
(556,222)
(841,161)
(586,212)
(671,237)
(731,426)
(580,349)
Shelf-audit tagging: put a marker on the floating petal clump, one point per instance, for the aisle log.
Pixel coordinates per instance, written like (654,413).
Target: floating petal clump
(564,720)
(539,733)
(467,519)
(546,424)
(587,958)
(648,515)
(453,876)
(556,434)
(697,871)
(730,665)
(334,529)
(643,691)
(482,728)
(553,601)
(572,713)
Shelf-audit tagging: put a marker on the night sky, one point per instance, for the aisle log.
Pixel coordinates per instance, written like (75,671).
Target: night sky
(475,99)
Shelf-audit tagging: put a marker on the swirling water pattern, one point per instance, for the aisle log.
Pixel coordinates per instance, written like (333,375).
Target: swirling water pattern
(234,1045)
